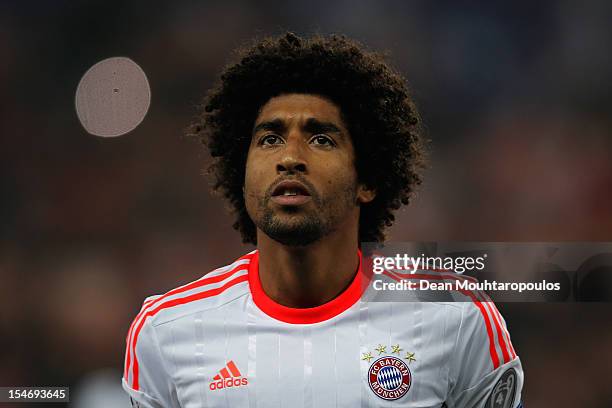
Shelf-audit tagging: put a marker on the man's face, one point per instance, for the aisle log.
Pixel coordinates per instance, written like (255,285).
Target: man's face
(300,181)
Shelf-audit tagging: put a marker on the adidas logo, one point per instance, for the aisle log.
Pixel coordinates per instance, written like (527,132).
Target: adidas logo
(229,376)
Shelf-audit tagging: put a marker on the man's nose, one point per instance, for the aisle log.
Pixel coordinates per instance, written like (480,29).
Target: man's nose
(292,158)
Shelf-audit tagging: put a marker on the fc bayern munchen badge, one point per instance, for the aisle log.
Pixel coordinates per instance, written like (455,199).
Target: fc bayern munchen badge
(389,378)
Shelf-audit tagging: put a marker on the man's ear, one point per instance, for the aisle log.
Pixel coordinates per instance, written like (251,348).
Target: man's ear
(365,194)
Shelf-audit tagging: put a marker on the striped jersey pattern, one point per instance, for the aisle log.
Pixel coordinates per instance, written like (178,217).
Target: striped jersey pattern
(221,342)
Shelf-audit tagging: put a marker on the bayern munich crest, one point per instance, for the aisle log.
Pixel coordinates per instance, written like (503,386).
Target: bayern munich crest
(389,378)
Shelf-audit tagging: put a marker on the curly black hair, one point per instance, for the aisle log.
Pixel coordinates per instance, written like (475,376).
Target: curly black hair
(376,106)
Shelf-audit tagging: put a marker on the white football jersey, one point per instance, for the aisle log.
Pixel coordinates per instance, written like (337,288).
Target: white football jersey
(221,342)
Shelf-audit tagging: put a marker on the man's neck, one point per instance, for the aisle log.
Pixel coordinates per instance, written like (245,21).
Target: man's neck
(311,275)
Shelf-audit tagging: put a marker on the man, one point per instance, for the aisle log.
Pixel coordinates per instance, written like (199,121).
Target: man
(316,142)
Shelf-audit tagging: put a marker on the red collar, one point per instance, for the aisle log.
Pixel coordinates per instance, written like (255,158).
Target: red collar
(303,315)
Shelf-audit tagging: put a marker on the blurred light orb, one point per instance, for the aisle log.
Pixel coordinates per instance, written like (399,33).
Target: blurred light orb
(113,97)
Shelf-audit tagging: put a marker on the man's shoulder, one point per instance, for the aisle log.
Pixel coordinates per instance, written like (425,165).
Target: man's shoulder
(213,290)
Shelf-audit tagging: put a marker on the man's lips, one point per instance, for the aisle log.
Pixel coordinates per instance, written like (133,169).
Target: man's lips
(290,192)
(291,200)
(291,186)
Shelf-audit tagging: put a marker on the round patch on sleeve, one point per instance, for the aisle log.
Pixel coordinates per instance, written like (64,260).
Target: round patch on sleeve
(504,392)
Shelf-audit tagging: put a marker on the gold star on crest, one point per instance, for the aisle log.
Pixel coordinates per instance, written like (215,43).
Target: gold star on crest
(410,357)
(381,349)
(367,356)
(395,349)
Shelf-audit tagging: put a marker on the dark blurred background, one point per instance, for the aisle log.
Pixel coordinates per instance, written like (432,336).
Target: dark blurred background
(516,98)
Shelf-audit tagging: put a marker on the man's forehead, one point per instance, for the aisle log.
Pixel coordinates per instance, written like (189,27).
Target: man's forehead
(299,107)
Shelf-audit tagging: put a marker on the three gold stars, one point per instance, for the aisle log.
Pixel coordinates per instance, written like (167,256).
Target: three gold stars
(395,349)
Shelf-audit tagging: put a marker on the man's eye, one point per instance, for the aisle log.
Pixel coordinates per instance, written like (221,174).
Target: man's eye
(270,140)
(322,140)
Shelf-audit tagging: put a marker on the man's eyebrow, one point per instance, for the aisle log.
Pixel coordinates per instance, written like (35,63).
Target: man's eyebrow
(275,125)
(312,125)
(318,126)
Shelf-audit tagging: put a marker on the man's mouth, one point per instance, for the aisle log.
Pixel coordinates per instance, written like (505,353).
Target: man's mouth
(291,193)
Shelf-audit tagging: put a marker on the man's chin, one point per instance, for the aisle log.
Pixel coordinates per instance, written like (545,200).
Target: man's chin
(294,240)
(293,232)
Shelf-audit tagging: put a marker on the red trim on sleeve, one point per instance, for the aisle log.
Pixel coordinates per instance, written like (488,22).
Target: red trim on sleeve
(501,327)
(206,280)
(172,303)
(477,302)
(304,315)
(500,336)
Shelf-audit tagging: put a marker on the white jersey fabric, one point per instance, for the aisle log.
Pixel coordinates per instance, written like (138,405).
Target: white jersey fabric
(221,342)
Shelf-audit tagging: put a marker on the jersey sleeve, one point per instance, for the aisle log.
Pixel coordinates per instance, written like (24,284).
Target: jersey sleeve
(146,378)
(485,370)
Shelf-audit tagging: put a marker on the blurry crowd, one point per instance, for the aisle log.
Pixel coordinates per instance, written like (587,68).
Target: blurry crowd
(516,99)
